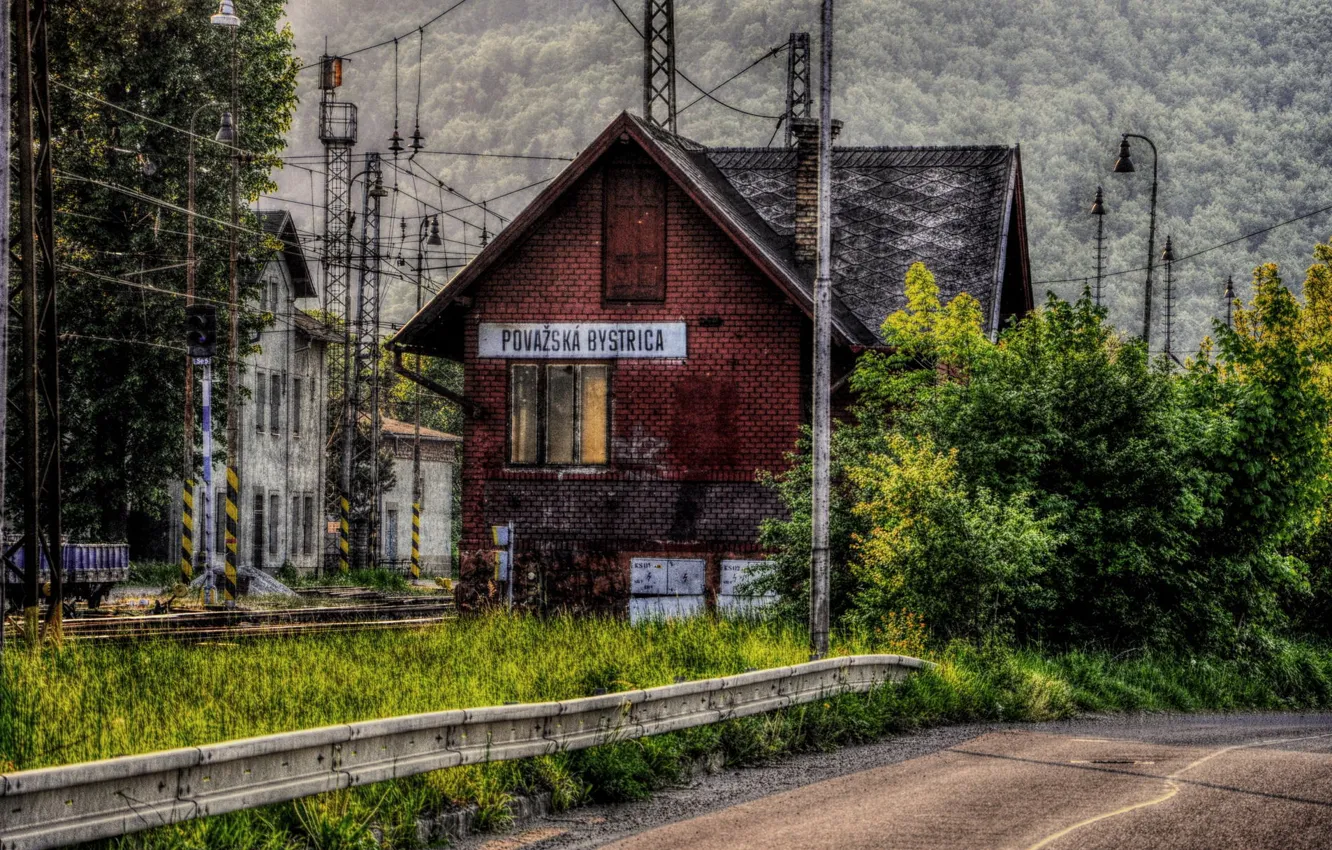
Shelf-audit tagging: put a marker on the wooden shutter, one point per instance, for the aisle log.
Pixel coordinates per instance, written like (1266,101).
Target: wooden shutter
(635,260)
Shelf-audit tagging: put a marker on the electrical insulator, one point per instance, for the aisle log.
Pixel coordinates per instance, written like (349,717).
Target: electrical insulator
(418,140)
(395,143)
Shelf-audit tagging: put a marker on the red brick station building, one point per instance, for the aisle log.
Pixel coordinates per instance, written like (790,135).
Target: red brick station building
(636,346)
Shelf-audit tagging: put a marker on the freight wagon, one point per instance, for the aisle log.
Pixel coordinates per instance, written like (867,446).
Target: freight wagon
(91,570)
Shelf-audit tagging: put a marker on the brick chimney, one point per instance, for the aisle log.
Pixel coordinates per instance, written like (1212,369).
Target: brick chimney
(806,132)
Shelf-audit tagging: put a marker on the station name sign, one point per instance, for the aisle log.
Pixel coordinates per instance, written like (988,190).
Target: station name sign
(582,341)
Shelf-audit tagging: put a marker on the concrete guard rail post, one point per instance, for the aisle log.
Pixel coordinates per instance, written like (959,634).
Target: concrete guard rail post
(58,806)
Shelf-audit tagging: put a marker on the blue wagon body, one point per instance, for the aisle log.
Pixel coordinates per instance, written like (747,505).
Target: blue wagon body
(90,569)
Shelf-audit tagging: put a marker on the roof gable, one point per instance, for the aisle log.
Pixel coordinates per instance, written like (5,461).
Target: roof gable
(279,225)
(948,207)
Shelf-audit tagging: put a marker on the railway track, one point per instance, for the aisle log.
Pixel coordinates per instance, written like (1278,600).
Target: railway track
(408,612)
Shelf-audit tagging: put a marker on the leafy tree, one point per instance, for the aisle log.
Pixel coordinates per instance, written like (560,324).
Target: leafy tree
(123,364)
(1266,395)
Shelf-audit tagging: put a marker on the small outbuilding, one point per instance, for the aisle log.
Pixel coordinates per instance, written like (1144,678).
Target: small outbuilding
(637,346)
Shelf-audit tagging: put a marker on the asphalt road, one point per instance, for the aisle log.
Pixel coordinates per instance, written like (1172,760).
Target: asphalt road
(1249,782)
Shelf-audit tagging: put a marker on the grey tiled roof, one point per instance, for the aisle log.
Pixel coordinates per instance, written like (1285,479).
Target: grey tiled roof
(943,206)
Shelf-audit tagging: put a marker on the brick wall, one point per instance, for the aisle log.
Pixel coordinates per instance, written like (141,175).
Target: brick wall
(686,435)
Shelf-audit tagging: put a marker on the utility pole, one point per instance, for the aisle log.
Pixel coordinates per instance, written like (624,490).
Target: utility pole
(187,449)
(799,95)
(819,565)
(1098,210)
(4,300)
(1168,257)
(42,455)
(201,345)
(230,132)
(416,399)
(659,64)
(1230,301)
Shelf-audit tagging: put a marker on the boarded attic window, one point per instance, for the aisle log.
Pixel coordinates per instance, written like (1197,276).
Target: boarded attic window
(635,243)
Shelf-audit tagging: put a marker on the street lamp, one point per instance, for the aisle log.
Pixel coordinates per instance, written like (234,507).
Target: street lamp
(228,133)
(1124,165)
(226,15)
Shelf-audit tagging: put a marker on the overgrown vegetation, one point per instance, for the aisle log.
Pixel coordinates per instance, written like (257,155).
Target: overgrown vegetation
(1060,486)
(488,660)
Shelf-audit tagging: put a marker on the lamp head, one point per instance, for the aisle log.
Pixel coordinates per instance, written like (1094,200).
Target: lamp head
(1168,255)
(1230,288)
(226,15)
(1098,205)
(1124,165)
(226,134)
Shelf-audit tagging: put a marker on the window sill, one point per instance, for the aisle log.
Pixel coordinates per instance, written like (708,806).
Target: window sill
(511,471)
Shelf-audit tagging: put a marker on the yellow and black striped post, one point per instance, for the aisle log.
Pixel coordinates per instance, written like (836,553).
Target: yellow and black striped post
(416,539)
(344,537)
(233,531)
(187,533)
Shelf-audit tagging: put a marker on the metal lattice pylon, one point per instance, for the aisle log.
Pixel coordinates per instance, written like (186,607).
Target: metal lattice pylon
(659,63)
(363,394)
(337,132)
(799,98)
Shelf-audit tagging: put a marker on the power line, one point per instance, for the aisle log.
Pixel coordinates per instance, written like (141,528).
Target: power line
(143,117)
(500,155)
(74,335)
(1228,242)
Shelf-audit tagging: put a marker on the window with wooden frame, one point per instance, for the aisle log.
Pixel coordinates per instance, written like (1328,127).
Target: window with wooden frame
(559,414)
(634,265)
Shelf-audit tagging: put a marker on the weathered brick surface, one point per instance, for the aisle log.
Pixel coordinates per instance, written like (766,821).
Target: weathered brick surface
(687,436)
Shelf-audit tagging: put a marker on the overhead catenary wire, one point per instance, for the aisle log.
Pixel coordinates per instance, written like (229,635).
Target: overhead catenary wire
(759,61)
(386,42)
(705,93)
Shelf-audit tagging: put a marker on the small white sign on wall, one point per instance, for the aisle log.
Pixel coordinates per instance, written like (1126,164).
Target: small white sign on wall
(582,341)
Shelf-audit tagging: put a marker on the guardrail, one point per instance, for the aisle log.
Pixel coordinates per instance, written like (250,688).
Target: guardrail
(57,806)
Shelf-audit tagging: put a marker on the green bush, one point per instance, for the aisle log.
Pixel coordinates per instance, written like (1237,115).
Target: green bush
(1060,486)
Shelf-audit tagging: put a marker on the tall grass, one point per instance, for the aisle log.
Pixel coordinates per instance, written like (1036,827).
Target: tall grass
(88,702)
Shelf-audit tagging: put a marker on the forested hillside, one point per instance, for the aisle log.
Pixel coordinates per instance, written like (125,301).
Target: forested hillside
(1233,92)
